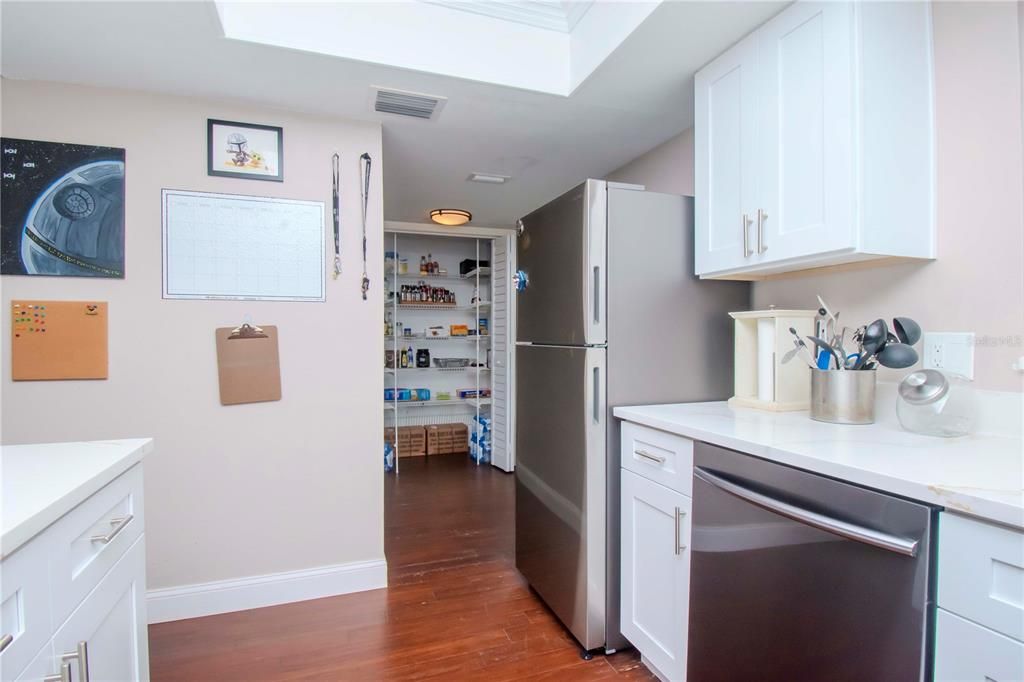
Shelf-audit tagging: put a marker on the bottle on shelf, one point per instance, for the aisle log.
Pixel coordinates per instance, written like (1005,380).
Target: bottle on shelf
(423,265)
(430,264)
(411,358)
(436,267)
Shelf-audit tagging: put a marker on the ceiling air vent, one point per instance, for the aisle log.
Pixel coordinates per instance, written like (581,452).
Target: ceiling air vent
(403,103)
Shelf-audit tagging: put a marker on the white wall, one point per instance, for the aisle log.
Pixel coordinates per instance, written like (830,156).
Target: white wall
(666,168)
(230,491)
(977,282)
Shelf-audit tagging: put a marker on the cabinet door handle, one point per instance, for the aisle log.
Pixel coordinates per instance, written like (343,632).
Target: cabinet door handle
(647,455)
(745,223)
(81,653)
(119,524)
(679,526)
(761,217)
(64,676)
(5,641)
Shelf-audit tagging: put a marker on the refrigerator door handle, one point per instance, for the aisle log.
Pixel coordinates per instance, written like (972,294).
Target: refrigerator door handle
(828,524)
(597,395)
(597,294)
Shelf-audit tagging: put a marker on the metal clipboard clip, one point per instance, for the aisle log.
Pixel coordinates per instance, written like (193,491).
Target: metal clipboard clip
(246,331)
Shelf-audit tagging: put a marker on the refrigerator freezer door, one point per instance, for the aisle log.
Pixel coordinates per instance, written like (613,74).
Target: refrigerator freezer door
(562,252)
(560,483)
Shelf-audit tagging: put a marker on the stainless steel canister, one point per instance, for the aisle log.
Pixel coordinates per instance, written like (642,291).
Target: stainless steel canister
(843,396)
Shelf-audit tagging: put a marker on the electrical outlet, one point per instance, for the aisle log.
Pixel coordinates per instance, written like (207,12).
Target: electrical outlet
(950,351)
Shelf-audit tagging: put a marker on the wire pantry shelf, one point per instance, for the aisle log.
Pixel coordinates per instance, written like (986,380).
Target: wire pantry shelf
(418,338)
(392,370)
(437,306)
(415,277)
(434,402)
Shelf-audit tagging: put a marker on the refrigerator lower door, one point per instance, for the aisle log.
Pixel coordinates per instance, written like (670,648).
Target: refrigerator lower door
(561,258)
(560,483)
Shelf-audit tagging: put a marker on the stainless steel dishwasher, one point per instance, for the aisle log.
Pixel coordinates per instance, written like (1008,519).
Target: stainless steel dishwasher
(795,576)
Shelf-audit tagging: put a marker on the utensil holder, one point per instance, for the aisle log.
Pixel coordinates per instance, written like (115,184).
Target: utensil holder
(843,396)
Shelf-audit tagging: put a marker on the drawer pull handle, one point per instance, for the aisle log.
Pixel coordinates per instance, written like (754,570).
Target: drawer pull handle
(119,524)
(64,676)
(5,641)
(647,455)
(81,653)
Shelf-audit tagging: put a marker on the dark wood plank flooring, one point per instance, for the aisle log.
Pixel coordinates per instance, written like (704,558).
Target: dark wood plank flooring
(455,608)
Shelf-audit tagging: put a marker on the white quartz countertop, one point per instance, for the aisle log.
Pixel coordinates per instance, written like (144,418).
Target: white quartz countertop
(41,483)
(978,475)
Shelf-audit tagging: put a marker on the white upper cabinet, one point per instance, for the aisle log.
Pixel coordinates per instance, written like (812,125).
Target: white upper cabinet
(814,142)
(726,188)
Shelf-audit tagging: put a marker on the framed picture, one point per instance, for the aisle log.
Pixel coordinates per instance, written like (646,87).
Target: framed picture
(244,150)
(61,209)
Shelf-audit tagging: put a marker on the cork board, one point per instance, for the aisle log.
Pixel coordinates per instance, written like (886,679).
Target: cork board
(248,367)
(54,340)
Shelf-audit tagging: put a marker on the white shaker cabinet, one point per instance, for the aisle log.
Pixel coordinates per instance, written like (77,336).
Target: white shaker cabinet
(655,550)
(980,616)
(814,142)
(73,600)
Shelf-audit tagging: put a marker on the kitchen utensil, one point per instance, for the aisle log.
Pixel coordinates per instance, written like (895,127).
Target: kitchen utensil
(897,356)
(843,397)
(936,404)
(872,341)
(824,346)
(809,359)
(908,331)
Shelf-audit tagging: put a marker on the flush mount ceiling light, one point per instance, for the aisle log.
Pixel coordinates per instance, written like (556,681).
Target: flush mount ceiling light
(450,216)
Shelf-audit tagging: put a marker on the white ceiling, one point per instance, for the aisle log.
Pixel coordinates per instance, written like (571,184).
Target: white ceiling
(637,98)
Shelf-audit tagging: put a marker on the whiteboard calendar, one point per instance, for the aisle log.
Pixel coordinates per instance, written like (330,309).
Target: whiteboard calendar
(235,247)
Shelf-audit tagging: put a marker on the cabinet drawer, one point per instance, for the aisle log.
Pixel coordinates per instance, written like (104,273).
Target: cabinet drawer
(24,605)
(658,456)
(981,573)
(967,652)
(90,539)
(105,638)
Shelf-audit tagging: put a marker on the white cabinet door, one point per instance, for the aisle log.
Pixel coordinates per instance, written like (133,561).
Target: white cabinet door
(502,317)
(805,128)
(42,666)
(656,572)
(111,623)
(725,119)
(967,652)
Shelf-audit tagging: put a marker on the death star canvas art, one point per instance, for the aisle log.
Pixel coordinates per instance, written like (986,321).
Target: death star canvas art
(62,210)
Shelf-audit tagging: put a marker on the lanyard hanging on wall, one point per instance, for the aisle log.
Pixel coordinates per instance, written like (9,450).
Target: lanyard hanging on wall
(336,206)
(365,191)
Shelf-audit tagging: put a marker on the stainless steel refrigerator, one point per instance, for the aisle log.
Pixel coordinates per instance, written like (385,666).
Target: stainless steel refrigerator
(609,314)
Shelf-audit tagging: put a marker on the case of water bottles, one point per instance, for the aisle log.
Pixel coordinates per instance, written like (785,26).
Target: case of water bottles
(480,440)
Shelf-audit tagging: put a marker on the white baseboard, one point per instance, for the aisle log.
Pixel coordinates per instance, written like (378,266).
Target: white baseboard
(224,596)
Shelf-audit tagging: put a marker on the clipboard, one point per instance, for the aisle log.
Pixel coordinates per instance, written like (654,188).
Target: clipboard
(248,364)
(56,340)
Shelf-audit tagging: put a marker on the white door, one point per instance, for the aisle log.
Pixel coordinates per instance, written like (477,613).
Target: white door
(656,572)
(805,161)
(502,263)
(107,632)
(725,121)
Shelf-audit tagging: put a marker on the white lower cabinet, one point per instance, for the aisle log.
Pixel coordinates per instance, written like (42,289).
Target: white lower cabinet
(980,596)
(967,652)
(76,593)
(104,638)
(656,573)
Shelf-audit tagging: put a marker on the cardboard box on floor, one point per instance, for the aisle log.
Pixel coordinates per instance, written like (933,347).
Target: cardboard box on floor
(412,440)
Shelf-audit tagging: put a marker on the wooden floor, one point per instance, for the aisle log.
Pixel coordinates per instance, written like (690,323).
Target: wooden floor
(455,608)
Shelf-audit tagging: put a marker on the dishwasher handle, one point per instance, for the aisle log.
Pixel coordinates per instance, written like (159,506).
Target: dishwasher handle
(820,521)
